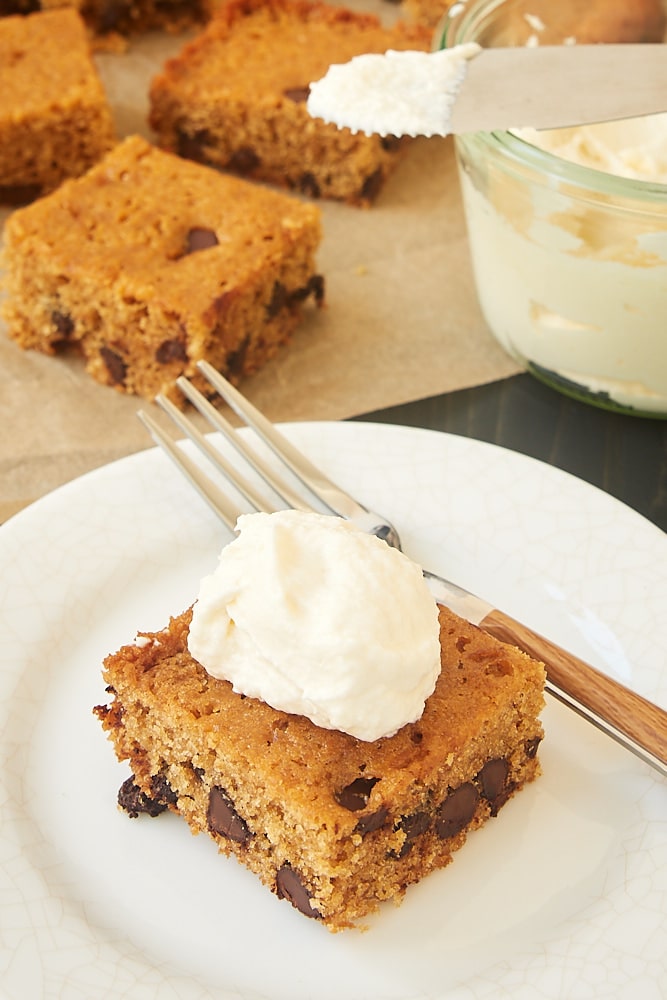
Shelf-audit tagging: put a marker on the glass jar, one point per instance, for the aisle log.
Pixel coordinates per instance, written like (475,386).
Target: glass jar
(570,262)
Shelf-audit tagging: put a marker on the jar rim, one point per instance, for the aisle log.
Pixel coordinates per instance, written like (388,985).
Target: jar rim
(452,31)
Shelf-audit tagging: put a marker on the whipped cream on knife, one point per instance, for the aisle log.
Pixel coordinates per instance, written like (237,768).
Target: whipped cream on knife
(315,617)
(393,93)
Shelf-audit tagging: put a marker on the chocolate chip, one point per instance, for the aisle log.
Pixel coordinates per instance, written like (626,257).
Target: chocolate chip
(495,787)
(314,287)
(243,160)
(19,7)
(413,826)
(191,147)
(111,12)
(115,365)
(199,238)
(135,802)
(171,350)
(278,299)
(297,94)
(63,323)
(235,360)
(19,194)
(223,818)
(456,811)
(502,798)
(373,821)
(308,185)
(162,791)
(492,777)
(371,186)
(355,795)
(289,886)
(531,746)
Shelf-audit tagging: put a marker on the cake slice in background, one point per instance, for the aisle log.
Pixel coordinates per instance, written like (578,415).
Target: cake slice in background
(149,263)
(55,119)
(110,22)
(236,96)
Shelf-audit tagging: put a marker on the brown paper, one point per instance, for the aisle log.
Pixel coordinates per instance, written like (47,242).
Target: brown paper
(401,320)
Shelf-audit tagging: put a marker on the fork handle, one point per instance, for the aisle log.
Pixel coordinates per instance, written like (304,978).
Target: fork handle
(638,724)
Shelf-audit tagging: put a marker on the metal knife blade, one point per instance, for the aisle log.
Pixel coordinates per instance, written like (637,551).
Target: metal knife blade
(560,86)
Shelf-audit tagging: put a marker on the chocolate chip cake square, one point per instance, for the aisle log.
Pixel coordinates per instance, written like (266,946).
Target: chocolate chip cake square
(55,119)
(235,97)
(149,263)
(334,824)
(133,17)
(123,17)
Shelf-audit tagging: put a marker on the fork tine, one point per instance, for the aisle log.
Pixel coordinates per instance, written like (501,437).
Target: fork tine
(211,493)
(268,474)
(219,461)
(309,475)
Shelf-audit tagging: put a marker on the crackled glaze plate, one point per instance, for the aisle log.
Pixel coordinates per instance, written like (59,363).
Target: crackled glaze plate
(563,895)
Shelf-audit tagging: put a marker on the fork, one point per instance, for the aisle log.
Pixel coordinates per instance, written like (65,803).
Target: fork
(634,722)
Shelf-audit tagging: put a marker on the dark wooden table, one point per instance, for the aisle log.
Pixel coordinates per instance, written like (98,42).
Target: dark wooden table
(625,456)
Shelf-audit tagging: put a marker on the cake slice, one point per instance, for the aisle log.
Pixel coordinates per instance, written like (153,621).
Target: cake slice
(55,119)
(330,822)
(123,17)
(149,263)
(235,97)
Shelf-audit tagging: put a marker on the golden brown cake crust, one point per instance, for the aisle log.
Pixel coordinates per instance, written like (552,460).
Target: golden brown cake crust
(55,120)
(235,96)
(352,822)
(149,263)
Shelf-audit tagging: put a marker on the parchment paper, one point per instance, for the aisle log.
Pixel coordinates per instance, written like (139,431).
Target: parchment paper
(401,321)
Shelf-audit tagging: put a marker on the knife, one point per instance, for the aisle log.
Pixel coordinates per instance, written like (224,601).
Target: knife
(472,89)
(632,721)
(560,86)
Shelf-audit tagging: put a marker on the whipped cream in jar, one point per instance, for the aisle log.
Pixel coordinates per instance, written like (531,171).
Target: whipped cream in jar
(568,238)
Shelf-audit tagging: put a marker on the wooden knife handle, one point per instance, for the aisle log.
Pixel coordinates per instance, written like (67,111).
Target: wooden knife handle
(639,719)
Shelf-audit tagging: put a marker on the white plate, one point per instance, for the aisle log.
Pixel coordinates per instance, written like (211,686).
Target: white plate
(563,895)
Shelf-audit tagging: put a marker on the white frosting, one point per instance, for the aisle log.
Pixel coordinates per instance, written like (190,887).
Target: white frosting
(393,93)
(316,617)
(634,148)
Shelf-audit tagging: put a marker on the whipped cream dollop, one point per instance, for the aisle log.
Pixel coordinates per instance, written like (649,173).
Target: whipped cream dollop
(315,617)
(394,92)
